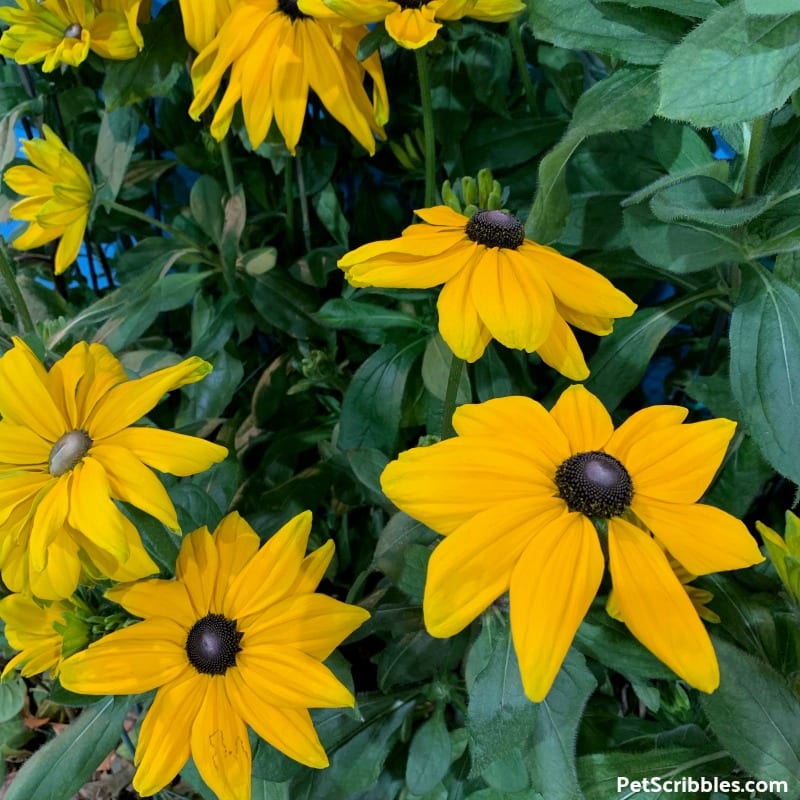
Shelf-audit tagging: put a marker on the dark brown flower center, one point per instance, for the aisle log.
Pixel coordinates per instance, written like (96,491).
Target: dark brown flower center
(496,229)
(68,451)
(412,3)
(73,31)
(212,644)
(595,483)
(289,7)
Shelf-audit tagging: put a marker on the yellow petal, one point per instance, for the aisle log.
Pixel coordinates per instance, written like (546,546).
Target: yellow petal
(170,452)
(412,28)
(678,464)
(703,538)
(196,567)
(155,598)
(421,241)
(552,586)
(459,322)
(220,747)
(59,578)
(583,418)
(641,424)
(163,747)
(656,608)
(313,569)
(49,518)
(236,544)
(290,88)
(290,730)
(561,351)
(444,216)
(19,489)
(472,567)
(445,484)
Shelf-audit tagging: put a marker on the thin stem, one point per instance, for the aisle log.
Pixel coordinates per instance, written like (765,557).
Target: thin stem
(110,205)
(427,126)
(227,165)
(301,190)
(758,135)
(23,314)
(450,396)
(522,64)
(288,191)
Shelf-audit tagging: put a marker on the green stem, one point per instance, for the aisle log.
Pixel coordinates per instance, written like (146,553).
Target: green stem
(288,192)
(301,190)
(522,64)
(758,135)
(427,126)
(23,314)
(227,165)
(110,205)
(450,395)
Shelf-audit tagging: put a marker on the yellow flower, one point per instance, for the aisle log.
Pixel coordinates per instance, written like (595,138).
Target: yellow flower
(44,633)
(67,451)
(59,192)
(415,23)
(277,50)
(64,31)
(202,20)
(238,639)
(516,494)
(785,553)
(497,284)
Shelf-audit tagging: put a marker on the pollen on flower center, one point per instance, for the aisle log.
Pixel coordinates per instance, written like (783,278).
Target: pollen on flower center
(68,451)
(212,644)
(496,229)
(73,31)
(289,7)
(595,483)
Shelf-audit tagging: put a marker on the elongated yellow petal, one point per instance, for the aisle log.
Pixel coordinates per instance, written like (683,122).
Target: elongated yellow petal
(561,351)
(656,607)
(702,538)
(583,418)
(49,518)
(197,567)
(411,27)
(236,544)
(462,582)
(154,598)
(22,446)
(459,322)
(552,586)
(313,569)
(443,216)
(643,422)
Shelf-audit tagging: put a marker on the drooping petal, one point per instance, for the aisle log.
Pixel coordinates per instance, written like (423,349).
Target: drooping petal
(656,607)
(459,322)
(290,88)
(583,418)
(19,489)
(290,730)
(552,586)
(411,27)
(445,484)
(443,216)
(703,538)
(164,745)
(462,579)
(48,520)
(220,747)
(679,467)
(561,351)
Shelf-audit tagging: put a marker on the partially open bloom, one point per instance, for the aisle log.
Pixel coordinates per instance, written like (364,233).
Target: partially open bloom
(237,639)
(277,50)
(67,451)
(44,633)
(64,31)
(415,23)
(784,553)
(58,193)
(497,284)
(516,495)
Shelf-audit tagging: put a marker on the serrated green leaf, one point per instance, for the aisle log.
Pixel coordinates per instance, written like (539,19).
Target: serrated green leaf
(731,68)
(765,351)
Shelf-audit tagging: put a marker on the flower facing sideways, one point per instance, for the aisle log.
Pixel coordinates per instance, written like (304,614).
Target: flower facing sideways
(277,50)
(237,639)
(516,494)
(497,284)
(64,31)
(67,451)
(58,193)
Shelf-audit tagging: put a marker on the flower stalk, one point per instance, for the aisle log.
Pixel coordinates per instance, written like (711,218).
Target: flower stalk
(423,75)
(24,318)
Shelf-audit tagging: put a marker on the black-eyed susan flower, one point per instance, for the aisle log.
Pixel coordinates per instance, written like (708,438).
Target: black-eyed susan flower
(237,639)
(415,23)
(64,31)
(277,50)
(44,632)
(516,494)
(67,451)
(58,193)
(497,284)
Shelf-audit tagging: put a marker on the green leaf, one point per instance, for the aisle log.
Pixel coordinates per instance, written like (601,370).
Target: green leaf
(505,143)
(765,351)
(428,755)
(731,68)
(330,214)
(639,37)
(207,399)
(623,356)
(12,697)
(488,61)
(400,532)
(551,757)
(373,403)
(436,363)
(625,100)
(772,6)
(754,715)
(58,769)
(115,142)
(366,318)
(285,303)
(500,717)
(156,70)
(206,205)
